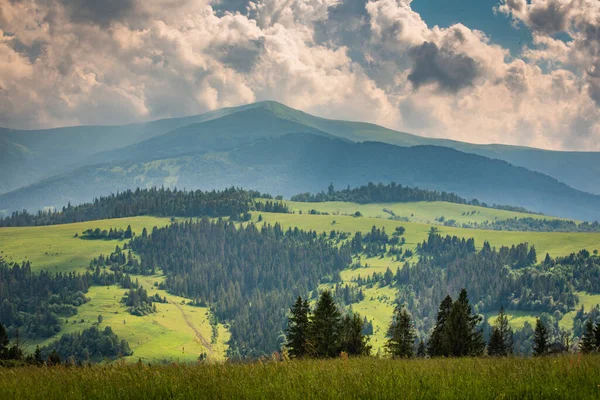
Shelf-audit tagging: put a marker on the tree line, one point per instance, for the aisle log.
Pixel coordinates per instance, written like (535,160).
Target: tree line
(325,332)
(529,224)
(168,202)
(393,193)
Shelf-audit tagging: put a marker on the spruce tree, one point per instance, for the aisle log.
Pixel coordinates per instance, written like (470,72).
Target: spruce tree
(324,332)
(588,339)
(501,340)
(439,344)
(540,338)
(421,350)
(352,339)
(466,339)
(401,334)
(3,343)
(597,336)
(297,330)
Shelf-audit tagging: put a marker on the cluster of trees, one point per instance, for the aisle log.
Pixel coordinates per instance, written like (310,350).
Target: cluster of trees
(504,277)
(33,303)
(590,340)
(271,206)
(392,193)
(244,273)
(458,332)
(324,332)
(378,243)
(111,234)
(139,302)
(529,224)
(162,202)
(91,344)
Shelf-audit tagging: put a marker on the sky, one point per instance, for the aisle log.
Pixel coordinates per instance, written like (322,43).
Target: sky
(522,72)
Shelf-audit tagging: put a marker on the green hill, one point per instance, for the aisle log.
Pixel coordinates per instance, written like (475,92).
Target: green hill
(29,156)
(297,163)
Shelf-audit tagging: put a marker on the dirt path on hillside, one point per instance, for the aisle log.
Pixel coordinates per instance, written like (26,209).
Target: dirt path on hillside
(201,338)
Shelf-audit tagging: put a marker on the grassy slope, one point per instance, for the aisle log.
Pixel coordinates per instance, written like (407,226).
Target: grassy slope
(565,377)
(159,336)
(555,243)
(165,334)
(376,305)
(55,248)
(423,212)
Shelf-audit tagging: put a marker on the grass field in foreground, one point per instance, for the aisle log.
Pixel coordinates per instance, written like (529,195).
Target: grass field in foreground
(565,377)
(55,248)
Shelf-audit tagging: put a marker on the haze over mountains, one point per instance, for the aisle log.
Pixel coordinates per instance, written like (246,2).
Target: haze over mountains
(273,148)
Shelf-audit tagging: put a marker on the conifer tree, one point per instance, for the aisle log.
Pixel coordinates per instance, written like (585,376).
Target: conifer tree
(439,344)
(421,350)
(588,339)
(352,339)
(324,332)
(401,334)
(540,338)
(3,343)
(501,340)
(297,330)
(466,339)
(597,336)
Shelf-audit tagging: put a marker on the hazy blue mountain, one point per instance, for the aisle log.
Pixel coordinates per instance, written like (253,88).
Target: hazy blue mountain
(296,163)
(29,156)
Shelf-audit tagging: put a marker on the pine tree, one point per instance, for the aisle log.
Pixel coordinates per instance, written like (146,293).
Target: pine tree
(501,340)
(401,334)
(421,350)
(3,343)
(324,332)
(540,338)
(352,339)
(532,256)
(439,344)
(297,330)
(466,340)
(588,339)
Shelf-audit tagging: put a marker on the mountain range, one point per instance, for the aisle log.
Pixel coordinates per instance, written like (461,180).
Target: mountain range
(273,148)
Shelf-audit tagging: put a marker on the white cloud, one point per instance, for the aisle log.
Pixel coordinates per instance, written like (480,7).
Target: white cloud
(368,60)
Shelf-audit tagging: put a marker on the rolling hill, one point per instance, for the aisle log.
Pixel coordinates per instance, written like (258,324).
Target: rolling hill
(26,157)
(303,162)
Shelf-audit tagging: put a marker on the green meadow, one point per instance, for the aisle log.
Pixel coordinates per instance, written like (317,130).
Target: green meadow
(182,332)
(423,211)
(56,248)
(561,377)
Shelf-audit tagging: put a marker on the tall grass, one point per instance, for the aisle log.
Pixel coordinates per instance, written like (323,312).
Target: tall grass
(566,377)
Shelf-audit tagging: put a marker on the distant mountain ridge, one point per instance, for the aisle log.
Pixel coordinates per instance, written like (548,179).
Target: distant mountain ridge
(161,152)
(308,162)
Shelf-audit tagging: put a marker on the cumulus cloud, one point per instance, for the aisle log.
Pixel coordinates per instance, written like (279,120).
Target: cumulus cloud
(66,62)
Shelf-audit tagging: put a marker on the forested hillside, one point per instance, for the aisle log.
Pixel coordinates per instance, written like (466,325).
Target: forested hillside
(158,202)
(298,163)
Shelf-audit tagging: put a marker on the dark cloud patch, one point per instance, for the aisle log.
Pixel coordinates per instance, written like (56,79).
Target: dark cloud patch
(32,52)
(100,12)
(348,24)
(242,58)
(594,82)
(551,19)
(452,72)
